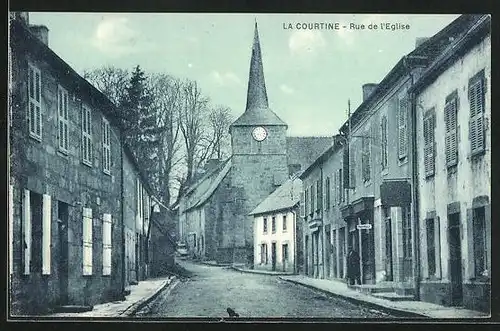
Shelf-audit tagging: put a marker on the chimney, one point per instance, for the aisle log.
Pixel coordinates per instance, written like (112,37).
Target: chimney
(41,32)
(211,164)
(419,41)
(368,89)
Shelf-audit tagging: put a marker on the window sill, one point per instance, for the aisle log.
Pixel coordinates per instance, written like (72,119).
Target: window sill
(62,152)
(452,168)
(385,172)
(367,183)
(35,137)
(429,176)
(107,172)
(477,155)
(402,161)
(87,163)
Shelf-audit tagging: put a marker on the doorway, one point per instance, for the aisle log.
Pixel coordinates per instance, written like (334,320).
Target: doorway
(328,250)
(342,257)
(388,246)
(284,256)
(62,263)
(273,256)
(455,259)
(306,256)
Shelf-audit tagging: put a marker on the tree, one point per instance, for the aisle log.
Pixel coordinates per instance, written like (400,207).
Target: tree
(220,118)
(110,81)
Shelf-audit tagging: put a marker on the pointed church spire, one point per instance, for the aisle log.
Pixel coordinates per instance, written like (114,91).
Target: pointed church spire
(256,94)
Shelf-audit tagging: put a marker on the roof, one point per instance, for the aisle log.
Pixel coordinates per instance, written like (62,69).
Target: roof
(304,150)
(469,39)
(285,196)
(420,56)
(204,189)
(257,110)
(338,143)
(24,40)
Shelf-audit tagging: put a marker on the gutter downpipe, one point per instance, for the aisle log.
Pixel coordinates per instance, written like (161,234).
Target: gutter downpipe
(124,258)
(414,186)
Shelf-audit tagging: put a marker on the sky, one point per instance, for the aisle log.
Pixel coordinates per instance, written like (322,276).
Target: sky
(310,73)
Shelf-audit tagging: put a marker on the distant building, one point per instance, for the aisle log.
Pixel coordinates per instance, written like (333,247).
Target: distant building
(453,112)
(324,230)
(277,229)
(214,211)
(78,202)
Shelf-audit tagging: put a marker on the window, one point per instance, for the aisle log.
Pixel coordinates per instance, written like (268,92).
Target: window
(334,196)
(63,119)
(431,247)
(106,147)
(311,191)
(450,119)
(383,150)
(34,102)
(263,253)
(86,136)
(319,195)
(106,244)
(27,231)
(302,204)
(341,188)
(284,248)
(87,241)
(407,253)
(307,201)
(402,128)
(284,223)
(327,193)
(476,119)
(265,225)
(429,143)
(480,247)
(273,224)
(365,159)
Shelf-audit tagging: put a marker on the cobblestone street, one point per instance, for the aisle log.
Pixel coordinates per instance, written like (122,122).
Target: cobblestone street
(213,289)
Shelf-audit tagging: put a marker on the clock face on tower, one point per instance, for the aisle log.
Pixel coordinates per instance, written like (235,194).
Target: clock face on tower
(259,133)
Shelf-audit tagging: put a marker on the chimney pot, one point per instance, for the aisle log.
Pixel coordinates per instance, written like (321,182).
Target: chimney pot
(420,40)
(368,90)
(41,32)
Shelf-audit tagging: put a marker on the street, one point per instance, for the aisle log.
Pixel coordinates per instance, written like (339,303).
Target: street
(213,289)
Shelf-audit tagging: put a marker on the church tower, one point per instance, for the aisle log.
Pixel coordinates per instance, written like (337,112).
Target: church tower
(259,162)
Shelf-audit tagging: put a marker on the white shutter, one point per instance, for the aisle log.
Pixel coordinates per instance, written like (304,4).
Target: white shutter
(46,233)
(106,237)
(402,118)
(27,231)
(87,241)
(11,229)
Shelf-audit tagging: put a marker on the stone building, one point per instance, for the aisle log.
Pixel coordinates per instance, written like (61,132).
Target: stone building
(68,202)
(324,230)
(278,229)
(215,209)
(453,112)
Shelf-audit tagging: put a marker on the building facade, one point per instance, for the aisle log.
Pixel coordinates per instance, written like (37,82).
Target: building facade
(453,111)
(277,229)
(66,196)
(324,230)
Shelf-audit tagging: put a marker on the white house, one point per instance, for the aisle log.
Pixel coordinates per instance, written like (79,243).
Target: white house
(276,230)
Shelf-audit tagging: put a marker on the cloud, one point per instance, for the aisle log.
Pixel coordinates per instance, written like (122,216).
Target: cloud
(306,42)
(114,37)
(286,89)
(345,35)
(224,79)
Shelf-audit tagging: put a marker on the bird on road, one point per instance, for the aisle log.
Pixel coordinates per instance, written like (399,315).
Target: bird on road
(232,313)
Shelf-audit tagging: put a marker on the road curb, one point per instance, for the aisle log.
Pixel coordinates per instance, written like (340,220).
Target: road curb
(214,265)
(260,273)
(389,310)
(135,307)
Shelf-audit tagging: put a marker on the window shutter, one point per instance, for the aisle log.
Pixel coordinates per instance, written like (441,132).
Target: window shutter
(476,130)
(27,231)
(402,132)
(46,223)
(87,241)
(450,112)
(302,205)
(11,229)
(107,246)
(384,142)
(319,194)
(429,141)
